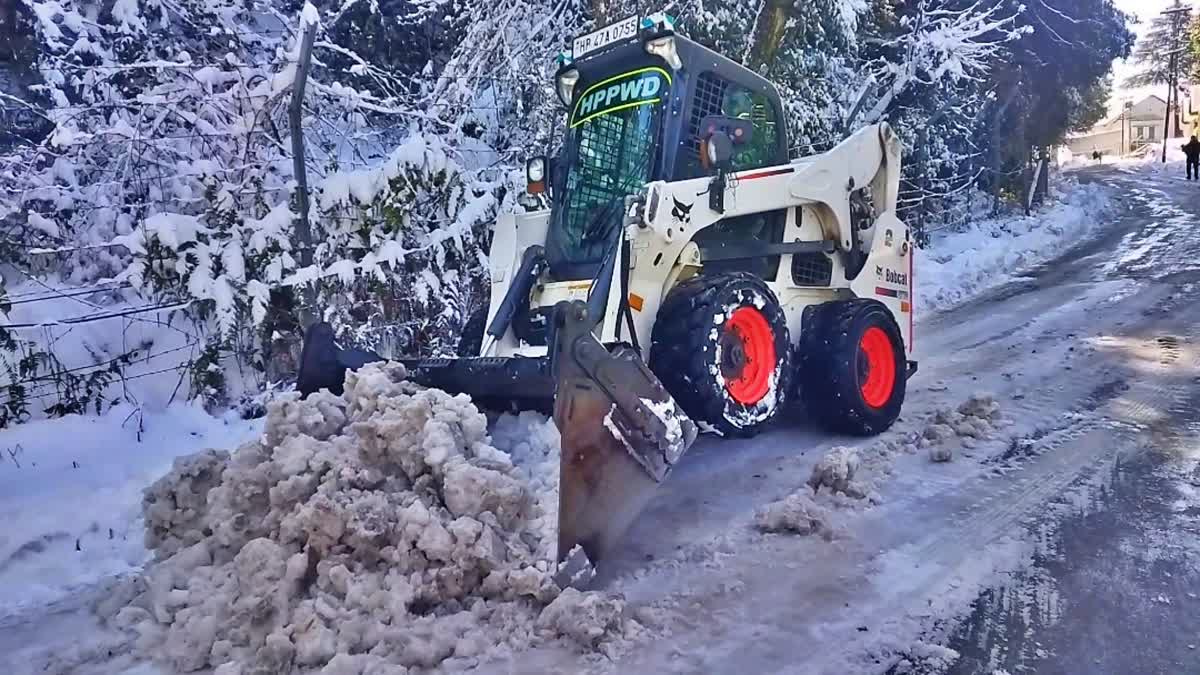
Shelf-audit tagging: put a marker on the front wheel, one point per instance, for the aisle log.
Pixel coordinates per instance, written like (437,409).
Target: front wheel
(720,347)
(852,366)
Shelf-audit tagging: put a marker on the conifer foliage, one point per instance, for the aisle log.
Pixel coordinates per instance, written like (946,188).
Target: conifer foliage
(161,157)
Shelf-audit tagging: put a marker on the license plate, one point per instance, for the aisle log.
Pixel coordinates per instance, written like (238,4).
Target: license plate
(621,30)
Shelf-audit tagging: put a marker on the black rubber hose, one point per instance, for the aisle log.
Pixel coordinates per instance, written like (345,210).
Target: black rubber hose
(597,300)
(533,263)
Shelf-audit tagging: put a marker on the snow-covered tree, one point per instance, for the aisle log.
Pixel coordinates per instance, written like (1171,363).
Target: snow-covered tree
(1162,52)
(167,157)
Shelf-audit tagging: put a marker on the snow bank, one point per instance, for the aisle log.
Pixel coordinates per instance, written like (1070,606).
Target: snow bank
(151,348)
(366,533)
(991,252)
(71,489)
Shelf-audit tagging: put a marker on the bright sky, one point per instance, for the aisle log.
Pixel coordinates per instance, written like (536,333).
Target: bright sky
(1144,10)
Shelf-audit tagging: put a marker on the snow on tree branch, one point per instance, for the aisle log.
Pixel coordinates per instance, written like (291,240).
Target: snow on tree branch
(945,43)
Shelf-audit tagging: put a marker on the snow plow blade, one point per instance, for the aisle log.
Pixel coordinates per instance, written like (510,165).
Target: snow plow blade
(621,431)
(621,435)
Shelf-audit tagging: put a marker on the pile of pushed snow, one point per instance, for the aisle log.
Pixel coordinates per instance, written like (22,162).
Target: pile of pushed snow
(796,513)
(990,252)
(836,471)
(973,421)
(361,534)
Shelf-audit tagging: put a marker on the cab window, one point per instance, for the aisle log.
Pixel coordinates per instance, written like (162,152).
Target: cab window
(717,96)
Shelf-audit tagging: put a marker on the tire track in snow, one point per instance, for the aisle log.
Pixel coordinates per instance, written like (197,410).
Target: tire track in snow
(993,520)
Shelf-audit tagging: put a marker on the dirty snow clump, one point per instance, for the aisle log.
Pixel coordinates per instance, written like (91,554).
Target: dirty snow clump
(836,471)
(361,534)
(941,453)
(976,419)
(796,514)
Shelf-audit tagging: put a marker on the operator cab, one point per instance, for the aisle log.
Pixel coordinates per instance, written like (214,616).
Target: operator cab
(642,103)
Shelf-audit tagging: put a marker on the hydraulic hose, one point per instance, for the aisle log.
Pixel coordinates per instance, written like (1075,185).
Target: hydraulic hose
(533,263)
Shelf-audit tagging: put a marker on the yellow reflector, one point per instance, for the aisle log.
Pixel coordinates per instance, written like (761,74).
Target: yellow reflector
(636,301)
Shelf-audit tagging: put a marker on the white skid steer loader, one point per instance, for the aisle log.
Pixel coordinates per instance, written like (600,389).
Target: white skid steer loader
(685,265)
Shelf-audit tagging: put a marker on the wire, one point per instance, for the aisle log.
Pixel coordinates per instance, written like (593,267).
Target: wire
(100,316)
(97,367)
(102,286)
(72,294)
(48,394)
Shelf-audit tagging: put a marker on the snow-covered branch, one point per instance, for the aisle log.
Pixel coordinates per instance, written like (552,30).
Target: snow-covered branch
(944,43)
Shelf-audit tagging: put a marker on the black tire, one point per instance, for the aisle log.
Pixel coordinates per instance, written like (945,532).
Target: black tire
(694,349)
(834,368)
(470,342)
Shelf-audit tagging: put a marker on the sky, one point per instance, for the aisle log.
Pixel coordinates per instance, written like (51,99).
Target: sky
(1144,10)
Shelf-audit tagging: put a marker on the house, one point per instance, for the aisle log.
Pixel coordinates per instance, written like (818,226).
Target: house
(1139,124)
(1191,111)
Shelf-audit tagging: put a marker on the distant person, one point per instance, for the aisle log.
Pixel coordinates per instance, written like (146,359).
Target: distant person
(1097,156)
(1192,150)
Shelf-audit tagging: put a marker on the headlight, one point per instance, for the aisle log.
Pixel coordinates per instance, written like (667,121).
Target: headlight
(535,175)
(665,47)
(535,169)
(565,85)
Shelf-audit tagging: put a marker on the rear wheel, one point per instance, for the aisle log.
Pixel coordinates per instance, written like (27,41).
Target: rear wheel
(721,347)
(852,366)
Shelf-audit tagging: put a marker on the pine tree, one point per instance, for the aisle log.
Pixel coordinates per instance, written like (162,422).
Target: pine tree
(1162,49)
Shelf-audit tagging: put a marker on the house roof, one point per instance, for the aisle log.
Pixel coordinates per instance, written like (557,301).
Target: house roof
(1117,118)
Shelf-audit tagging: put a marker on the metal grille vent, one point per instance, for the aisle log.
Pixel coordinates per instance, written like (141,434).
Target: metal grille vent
(812,269)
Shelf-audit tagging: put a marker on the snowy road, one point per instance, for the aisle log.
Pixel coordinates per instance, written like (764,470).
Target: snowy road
(1032,551)
(1093,358)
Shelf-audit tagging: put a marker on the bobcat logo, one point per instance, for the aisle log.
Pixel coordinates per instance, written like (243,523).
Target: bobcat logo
(681,212)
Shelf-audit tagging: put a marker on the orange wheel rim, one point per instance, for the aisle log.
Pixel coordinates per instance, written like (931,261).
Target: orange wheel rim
(748,357)
(877,367)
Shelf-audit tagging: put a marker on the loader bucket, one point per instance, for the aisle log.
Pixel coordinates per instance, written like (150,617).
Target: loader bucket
(621,434)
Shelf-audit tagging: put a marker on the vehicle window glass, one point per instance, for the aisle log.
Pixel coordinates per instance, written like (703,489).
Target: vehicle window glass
(610,152)
(745,104)
(718,96)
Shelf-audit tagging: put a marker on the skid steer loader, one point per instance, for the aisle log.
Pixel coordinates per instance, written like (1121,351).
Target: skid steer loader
(686,271)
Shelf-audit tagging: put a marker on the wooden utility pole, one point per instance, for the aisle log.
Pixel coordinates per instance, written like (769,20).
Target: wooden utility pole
(295,120)
(1167,120)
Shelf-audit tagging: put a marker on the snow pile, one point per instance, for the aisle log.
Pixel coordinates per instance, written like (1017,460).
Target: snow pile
(359,534)
(796,514)
(926,657)
(990,252)
(836,471)
(974,420)
(941,453)
(533,442)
